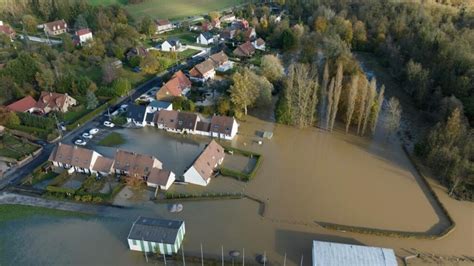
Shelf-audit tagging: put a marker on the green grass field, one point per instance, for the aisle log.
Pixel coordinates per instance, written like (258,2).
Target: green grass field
(171,9)
(15,212)
(113,139)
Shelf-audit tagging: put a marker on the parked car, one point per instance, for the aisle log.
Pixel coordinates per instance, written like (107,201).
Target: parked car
(86,135)
(109,124)
(94,131)
(80,142)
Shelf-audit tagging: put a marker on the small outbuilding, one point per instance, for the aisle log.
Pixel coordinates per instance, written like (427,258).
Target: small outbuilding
(156,235)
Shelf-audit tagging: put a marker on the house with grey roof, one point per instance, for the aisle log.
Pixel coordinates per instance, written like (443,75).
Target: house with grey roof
(156,235)
(171,45)
(205,38)
(136,115)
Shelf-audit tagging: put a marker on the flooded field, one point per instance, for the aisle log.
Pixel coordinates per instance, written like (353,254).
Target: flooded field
(306,176)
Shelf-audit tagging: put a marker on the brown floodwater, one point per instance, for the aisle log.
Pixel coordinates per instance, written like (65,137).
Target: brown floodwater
(306,176)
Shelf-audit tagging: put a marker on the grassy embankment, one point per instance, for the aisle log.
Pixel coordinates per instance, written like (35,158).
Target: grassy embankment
(15,212)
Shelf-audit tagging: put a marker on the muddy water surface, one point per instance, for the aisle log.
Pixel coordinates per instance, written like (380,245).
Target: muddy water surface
(306,176)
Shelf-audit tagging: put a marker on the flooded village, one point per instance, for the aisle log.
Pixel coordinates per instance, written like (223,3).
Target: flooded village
(230,149)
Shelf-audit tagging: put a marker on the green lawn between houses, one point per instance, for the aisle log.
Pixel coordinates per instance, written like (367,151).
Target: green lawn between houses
(13,147)
(113,139)
(171,9)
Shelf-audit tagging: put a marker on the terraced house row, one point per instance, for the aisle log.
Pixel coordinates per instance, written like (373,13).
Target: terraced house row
(135,165)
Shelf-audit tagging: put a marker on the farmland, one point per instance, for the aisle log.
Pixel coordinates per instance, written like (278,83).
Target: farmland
(171,10)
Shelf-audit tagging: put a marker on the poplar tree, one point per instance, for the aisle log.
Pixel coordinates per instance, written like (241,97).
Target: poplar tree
(377,109)
(371,92)
(351,100)
(330,98)
(336,95)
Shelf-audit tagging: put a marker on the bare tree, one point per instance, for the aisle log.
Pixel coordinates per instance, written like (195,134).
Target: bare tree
(394,113)
(337,94)
(351,100)
(330,98)
(377,109)
(371,92)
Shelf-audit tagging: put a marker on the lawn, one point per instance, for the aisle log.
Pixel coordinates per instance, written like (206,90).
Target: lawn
(15,212)
(13,147)
(186,37)
(113,139)
(172,9)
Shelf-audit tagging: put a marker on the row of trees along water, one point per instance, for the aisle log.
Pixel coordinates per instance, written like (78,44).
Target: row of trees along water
(427,47)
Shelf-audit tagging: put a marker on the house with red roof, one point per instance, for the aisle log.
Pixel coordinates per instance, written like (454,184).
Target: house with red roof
(55,27)
(163,25)
(52,101)
(26,104)
(7,30)
(203,71)
(178,85)
(244,50)
(82,36)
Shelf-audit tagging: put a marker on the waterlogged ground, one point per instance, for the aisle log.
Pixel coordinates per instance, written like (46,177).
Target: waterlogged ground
(306,176)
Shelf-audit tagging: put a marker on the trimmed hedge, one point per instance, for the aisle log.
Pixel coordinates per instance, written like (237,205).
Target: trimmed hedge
(238,174)
(401,234)
(203,196)
(84,119)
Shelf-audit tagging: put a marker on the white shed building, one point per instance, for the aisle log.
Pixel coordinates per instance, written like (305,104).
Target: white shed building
(156,235)
(334,254)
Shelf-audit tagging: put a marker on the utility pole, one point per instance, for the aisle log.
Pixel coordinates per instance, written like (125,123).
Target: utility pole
(163,253)
(243,257)
(301,262)
(202,257)
(222,254)
(284,260)
(182,253)
(264,258)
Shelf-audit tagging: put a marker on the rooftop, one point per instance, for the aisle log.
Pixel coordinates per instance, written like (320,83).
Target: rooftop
(329,253)
(155,230)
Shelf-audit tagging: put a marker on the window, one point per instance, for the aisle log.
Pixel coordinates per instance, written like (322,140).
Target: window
(134,242)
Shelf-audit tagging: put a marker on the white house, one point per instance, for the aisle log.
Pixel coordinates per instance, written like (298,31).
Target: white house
(221,61)
(203,168)
(228,18)
(259,44)
(223,127)
(203,71)
(205,38)
(160,179)
(83,36)
(171,45)
(163,25)
(156,235)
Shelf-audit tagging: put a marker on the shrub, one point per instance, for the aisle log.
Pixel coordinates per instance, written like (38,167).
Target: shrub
(31,120)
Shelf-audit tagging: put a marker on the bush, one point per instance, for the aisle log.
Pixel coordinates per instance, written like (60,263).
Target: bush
(119,120)
(60,190)
(31,120)
(241,175)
